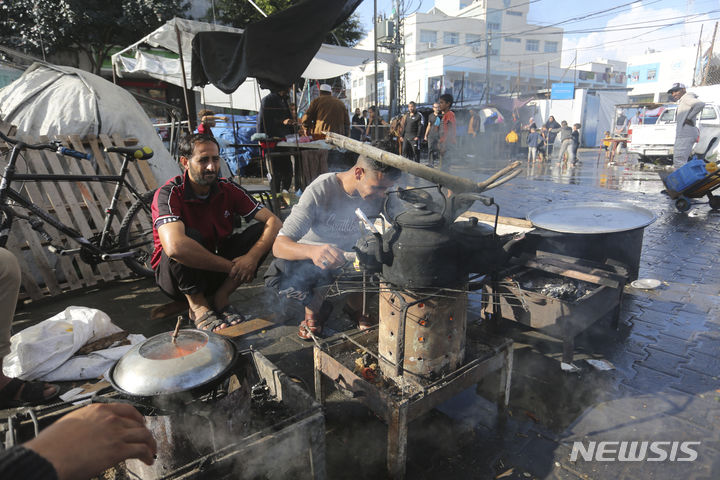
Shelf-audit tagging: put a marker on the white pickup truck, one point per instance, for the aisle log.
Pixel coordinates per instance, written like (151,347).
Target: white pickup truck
(654,142)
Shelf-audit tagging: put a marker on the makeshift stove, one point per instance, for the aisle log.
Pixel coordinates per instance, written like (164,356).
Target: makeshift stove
(254,423)
(561,296)
(419,356)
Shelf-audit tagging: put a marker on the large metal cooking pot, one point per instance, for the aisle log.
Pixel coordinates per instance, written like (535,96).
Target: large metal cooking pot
(593,230)
(196,361)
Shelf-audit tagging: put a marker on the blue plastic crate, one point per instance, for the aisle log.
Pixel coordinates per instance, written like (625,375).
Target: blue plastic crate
(687,175)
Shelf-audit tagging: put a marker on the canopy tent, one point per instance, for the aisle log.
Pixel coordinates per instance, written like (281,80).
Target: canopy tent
(330,61)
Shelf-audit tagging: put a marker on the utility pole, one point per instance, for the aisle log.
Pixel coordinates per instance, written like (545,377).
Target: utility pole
(697,56)
(488,52)
(710,52)
(400,45)
(375,82)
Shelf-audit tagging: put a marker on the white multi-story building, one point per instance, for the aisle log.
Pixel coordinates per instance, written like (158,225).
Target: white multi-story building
(652,74)
(446,48)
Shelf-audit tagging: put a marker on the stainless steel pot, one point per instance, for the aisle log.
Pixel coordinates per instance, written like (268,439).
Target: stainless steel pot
(196,361)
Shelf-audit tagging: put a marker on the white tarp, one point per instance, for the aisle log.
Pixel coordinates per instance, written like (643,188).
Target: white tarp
(330,61)
(52,100)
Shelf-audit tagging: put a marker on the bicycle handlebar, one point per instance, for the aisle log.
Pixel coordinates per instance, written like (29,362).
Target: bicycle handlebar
(53,147)
(139,153)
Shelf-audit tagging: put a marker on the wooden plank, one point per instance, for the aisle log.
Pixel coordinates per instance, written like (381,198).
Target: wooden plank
(145,175)
(79,222)
(567,272)
(486,217)
(39,254)
(245,328)
(611,269)
(87,191)
(134,178)
(32,289)
(55,199)
(126,199)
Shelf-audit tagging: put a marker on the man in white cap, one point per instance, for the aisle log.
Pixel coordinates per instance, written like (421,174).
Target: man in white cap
(328,114)
(689,106)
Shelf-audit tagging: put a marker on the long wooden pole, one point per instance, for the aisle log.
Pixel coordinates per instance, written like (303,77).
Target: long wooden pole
(697,56)
(455,183)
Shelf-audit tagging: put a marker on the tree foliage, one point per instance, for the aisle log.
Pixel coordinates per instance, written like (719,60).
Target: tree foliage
(241,14)
(93,27)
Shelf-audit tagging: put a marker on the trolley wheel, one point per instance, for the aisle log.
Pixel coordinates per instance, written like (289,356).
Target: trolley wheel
(682,204)
(714,202)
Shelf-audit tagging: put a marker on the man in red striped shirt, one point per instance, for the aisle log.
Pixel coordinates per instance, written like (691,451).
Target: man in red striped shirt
(197,256)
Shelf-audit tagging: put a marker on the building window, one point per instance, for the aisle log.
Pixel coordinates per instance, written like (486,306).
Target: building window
(427,36)
(473,38)
(513,13)
(551,47)
(493,26)
(494,52)
(532,45)
(512,39)
(451,38)
(651,74)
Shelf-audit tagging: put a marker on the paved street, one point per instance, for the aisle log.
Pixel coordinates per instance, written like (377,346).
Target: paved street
(664,386)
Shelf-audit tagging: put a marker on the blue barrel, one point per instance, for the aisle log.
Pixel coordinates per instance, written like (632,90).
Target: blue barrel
(687,175)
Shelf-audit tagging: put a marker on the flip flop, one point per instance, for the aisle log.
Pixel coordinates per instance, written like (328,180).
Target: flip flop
(315,324)
(231,315)
(31,393)
(209,321)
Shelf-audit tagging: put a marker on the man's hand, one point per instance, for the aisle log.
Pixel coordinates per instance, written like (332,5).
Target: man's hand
(243,268)
(416,139)
(288,121)
(87,441)
(327,257)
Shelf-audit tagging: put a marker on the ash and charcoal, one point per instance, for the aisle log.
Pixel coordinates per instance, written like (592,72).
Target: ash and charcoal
(561,288)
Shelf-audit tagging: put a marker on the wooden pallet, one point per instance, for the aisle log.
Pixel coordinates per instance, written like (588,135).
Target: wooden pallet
(80,205)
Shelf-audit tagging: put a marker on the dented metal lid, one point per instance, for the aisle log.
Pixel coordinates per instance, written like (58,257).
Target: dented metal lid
(159,366)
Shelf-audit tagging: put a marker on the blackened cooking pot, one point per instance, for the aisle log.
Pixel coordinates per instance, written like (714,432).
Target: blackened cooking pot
(592,230)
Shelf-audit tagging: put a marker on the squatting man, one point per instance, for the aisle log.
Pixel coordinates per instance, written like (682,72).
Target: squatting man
(310,248)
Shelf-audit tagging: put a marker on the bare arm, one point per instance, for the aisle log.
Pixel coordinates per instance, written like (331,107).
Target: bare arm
(187,251)
(288,249)
(243,267)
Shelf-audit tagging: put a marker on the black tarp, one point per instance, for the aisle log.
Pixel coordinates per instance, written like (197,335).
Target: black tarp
(276,50)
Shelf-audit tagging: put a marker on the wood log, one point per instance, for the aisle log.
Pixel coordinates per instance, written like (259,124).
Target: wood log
(453,182)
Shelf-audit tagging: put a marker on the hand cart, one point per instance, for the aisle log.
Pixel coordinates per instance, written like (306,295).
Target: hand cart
(696,179)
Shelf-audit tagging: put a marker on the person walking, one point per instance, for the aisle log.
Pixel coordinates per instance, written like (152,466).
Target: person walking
(412,127)
(432,134)
(533,141)
(686,132)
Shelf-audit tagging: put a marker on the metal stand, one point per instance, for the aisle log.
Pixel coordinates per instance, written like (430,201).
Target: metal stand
(397,411)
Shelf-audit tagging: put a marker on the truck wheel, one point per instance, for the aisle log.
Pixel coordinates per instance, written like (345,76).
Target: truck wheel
(714,202)
(682,204)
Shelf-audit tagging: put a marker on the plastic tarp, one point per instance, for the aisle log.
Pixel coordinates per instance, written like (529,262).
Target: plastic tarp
(46,351)
(330,61)
(52,100)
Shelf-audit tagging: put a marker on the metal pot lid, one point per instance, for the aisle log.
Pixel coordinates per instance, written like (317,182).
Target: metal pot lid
(160,366)
(472,228)
(418,215)
(591,217)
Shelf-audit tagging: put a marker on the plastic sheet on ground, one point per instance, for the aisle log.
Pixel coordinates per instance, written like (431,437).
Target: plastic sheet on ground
(45,351)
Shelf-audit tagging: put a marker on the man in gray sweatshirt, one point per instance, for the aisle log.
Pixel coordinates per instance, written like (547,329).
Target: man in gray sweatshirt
(689,106)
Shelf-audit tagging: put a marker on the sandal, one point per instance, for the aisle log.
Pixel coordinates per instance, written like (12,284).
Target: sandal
(315,323)
(31,393)
(210,321)
(231,315)
(362,322)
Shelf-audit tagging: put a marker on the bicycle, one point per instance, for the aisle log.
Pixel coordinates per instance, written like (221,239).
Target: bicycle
(133,244)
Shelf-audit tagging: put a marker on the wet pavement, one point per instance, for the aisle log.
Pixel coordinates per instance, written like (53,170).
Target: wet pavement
(664,387)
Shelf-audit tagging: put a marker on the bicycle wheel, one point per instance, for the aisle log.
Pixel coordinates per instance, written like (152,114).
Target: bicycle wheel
(5,225)
(136,234)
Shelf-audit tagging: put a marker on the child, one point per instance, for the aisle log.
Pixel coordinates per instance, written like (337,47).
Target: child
(606,143)
(533,140)
(512,140)
(543,151)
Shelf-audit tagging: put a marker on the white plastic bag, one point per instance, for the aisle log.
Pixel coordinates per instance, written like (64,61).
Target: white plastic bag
(42,348)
